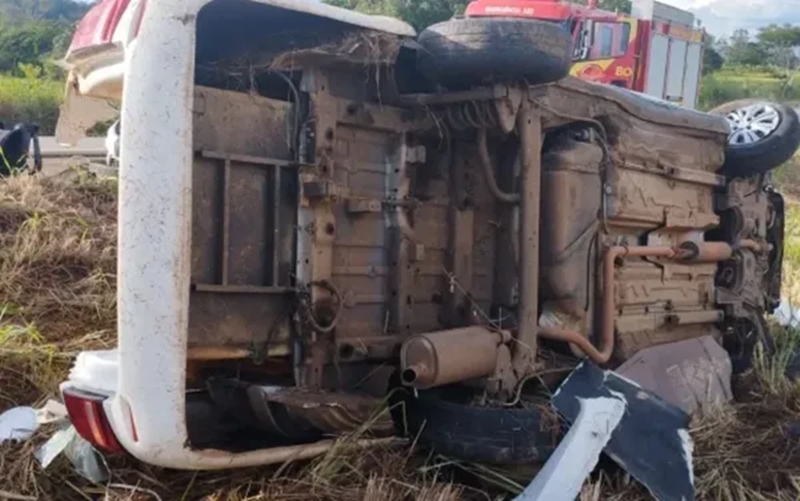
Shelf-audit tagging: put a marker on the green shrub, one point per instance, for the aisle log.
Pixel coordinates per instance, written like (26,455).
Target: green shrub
(30,100)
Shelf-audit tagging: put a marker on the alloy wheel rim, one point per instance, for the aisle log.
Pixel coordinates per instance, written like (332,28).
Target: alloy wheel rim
(752,124)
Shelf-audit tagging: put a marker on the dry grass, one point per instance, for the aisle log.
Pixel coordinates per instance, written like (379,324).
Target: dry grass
(387,473)
(57,246)
(57,267)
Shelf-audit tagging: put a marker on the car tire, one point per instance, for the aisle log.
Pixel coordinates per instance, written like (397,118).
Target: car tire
(443,421)
(468,51)
(750,152)
(740,342)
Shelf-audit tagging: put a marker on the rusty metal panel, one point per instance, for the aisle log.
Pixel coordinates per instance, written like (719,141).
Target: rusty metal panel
(652,201)
(430,231)
(330,413)
(571,202)
(243,320)
(251,217)
(361,240)
(225,121)
(692,374)
(243,217)
(483,237)
(643,284)
(207,180)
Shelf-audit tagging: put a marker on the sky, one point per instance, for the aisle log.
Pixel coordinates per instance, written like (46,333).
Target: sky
(722,17)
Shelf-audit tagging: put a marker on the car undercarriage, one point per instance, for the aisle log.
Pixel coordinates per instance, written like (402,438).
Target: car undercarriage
(367,237)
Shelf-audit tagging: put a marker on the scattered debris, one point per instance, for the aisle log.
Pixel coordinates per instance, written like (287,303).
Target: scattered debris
(693,374)
(576,456)
(52,412)
(356,48)
(788,315)
(18,423)
(81,454)
(652,440)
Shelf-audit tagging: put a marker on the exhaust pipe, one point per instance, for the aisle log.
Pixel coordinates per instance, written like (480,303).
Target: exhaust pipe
(445,357)
(706,252)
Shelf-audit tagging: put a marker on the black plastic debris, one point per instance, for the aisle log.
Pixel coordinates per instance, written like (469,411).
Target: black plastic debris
(792,430)
(652,440)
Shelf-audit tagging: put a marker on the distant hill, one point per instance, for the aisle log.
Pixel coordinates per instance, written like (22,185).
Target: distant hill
(24,11)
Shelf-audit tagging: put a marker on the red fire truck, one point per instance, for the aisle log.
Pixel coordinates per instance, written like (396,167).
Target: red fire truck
(656,49)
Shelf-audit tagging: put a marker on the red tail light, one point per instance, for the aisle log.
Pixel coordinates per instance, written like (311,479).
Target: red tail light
(89,419)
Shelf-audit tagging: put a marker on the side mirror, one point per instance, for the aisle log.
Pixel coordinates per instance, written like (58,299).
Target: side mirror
(581,53)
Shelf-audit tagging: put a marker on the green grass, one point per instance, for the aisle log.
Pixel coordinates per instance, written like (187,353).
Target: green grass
(791,253)
(719,88)
(752,75)
(30,100)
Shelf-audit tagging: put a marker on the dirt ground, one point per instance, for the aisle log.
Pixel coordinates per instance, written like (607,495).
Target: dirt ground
(57,296)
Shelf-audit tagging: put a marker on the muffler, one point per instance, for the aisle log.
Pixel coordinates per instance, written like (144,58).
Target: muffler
(445,357)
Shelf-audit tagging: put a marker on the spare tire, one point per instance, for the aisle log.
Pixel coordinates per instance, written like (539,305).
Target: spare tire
(445,421)
(763,135)
(463,52)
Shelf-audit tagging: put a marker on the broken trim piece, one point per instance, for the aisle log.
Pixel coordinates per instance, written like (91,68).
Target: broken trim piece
(652,440)
(563,475)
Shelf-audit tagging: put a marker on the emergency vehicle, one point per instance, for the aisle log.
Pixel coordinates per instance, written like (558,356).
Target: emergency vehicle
(656,50)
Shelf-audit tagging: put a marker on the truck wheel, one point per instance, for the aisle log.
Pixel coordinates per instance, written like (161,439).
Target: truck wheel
(462,52)
(763,136)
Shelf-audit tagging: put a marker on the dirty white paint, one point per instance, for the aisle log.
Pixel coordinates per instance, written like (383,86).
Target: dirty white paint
(688,451)
(154,238)
(155,193)
(563,475)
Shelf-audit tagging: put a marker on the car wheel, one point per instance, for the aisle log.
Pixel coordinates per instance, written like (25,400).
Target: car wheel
(447,421)
(741,338)
(464,52)
(763,135)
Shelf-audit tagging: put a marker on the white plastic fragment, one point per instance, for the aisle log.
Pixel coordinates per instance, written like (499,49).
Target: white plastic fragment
(18,423)
(788,315)
(563,475)
(96,371)
(54,446)
(51,412)
(80,453)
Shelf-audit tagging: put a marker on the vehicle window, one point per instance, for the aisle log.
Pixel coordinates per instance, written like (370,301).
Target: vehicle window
(606,41)
(609,40)
(624,39)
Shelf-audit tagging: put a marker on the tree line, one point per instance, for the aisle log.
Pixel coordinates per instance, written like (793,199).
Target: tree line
(773,45)
(35,33)
(423,13)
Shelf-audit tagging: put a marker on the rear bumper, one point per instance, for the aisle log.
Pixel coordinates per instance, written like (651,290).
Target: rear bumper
(97,374)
